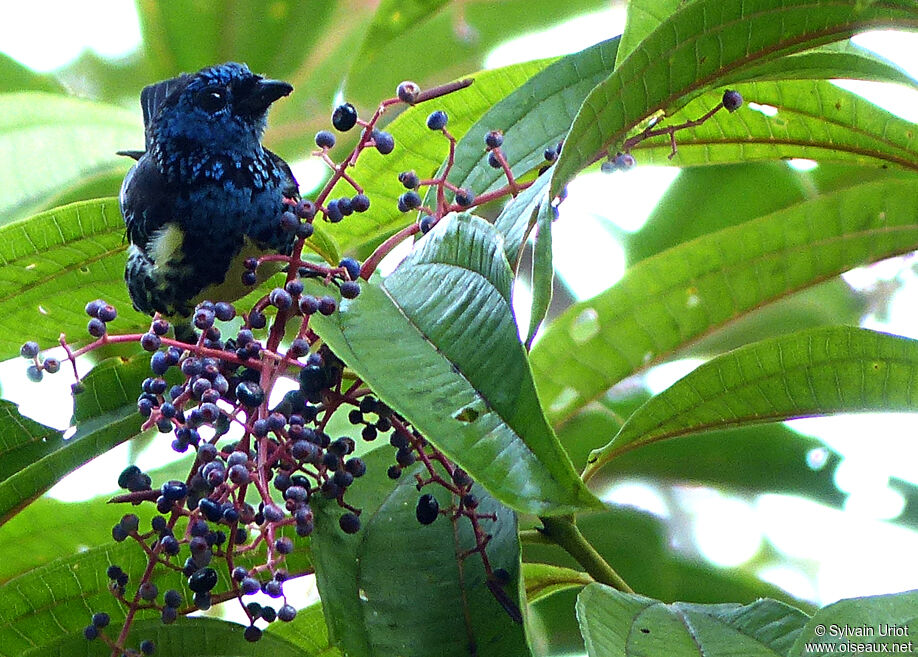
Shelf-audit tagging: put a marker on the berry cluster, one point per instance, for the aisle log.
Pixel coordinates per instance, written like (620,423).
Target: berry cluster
(260,467)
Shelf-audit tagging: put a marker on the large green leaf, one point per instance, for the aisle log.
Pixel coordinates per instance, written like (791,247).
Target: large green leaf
(49,143)
(534,117)
(79,249)
(438,343)
(105,415)
(843,59)
(738,199)
(543,579)
(308,630)
(673,298)
(616,624)
(397,587)
(880,623)
(16,77)
(700,46)
(815,372)
(454,40)
(815,119)
(272,39)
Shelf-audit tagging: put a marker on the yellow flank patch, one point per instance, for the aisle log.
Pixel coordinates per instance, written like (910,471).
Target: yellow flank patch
(232,289)
(166,245)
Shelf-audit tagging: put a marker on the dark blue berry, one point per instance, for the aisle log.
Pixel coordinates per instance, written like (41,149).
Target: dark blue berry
(333,212)
(344,206)
(93,307)
(147,647)
(465,197)
(252,634)
(732,100)
(427,509)
(437,120)
(51,365)
(34,373)
(107,313)
(90,632)
(350,289)
(493,160)
(250,586)
(224,311)
(325,139)
(426,223)
(351,266)
(385,142)
(101,619)
(494,139)
(173,598)
(169,615)
(257,319)
(327,305)
(409,179)
(203,580)
(305,209)
(408,92)
(150,342)
(96,327)
(360,203)
(29,350)
(349,523)
(203,318)
(356,467)
(344,117)
(286,613)
(394,472)
(249,278)
(250,394)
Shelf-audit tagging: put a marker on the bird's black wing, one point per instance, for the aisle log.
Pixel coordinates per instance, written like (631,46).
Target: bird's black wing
(154,95)
(291,187)
(145,202)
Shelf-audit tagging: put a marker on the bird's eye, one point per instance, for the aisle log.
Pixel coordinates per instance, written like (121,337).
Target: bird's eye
(211,99)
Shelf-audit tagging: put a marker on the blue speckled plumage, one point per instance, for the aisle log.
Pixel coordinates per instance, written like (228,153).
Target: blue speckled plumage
(205,192)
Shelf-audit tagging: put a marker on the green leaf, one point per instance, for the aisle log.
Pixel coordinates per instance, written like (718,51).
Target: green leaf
(775,458)
(454,40)
(16,77)
(534,117)
(286,33)
(543,272)
(438,343)
(105,415)
(639,546)
(643,17)
(815,372)
(815,119)
(543,579)
(723,40)
(23,440)
(616,624)
(518,217)
(49,143)
(78,248)
(844,60)
(308,630)
(673,298)
(419,149)
(396,587)
(863,625)
(392,19)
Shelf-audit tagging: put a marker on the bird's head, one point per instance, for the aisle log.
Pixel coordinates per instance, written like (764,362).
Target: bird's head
(222,108)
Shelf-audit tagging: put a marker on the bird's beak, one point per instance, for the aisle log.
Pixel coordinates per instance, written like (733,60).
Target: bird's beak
(261,95)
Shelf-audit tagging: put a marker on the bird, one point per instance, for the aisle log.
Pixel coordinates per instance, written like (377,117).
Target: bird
(204,194)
